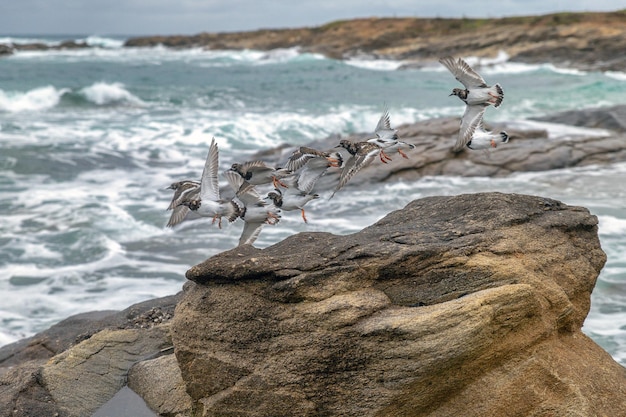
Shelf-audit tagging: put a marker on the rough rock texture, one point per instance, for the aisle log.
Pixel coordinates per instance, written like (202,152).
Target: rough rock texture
(527,150)
(611,118)
(469,305)
(78,364)
(160,384)
(582,40)
(97,367)
(75,329)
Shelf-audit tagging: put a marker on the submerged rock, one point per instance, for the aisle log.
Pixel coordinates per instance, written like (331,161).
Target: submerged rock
(469,305)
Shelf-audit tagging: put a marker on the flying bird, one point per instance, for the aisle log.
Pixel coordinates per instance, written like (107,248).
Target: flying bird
(387,139)
(362,154)
(255,212)
(310,165)
(258,173)
(183,190)
(291,199)
(477,96)
(476,137)
(476,91)
(207,203)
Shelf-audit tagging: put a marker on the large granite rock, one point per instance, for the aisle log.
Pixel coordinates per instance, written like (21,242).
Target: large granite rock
(469,305)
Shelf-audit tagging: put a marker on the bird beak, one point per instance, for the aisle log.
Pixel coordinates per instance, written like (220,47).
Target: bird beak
(451,94)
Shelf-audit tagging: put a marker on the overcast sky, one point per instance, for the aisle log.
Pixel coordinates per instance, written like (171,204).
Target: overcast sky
(167,17)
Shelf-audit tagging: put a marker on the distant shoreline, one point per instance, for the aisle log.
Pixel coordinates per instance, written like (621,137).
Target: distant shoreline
(585,41)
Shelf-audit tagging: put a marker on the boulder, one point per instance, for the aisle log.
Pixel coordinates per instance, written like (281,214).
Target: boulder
(467,305)
(77,365)
(86,376)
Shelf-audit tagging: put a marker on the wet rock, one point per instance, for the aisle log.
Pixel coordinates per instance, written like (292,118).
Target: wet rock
(62,371)
(86,376)
(611,118)
(159,382)
(469,305)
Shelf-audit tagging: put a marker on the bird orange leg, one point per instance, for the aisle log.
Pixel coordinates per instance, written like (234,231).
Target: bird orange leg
(333,162)
(403,154)
(219,223)
(278,182)
(303,216)
(493,143)
(271,218)
(386,157)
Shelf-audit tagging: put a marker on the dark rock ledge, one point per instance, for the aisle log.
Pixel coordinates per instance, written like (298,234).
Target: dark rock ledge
(468,305)
(529,149)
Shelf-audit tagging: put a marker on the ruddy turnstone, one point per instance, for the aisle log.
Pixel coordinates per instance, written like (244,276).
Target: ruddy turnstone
(362,154)
(182,191)
(258,172)
(255,212)
(207,203)
(291,199)
(310,165)
(476,91)
(476,137)
(387,139)
(181,187)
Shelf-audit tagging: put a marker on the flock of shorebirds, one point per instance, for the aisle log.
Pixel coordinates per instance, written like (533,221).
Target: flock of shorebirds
(292,185)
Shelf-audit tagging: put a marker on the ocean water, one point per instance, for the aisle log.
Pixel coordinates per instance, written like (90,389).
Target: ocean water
(89,139)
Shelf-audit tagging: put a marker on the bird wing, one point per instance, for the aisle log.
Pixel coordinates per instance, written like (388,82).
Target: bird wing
(250,233)
(244,191)
(383,129)
(178,215)
(463,72)
(182,191)
(209,187)
(471,120)
(256,167)
(301,156)
(309,176)
(384,121)
(363,158)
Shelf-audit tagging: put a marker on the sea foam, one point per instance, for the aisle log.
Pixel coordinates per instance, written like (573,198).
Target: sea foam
(42,98)
(102,93)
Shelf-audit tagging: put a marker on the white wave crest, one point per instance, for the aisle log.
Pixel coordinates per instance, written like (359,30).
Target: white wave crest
(103,42)
(375,64)
(38,99)
(616,75)
(103,93)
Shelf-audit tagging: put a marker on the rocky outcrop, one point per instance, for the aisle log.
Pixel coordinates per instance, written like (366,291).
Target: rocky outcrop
(610,118)
(581,40)
(469,305)
(78,364)
(530,150)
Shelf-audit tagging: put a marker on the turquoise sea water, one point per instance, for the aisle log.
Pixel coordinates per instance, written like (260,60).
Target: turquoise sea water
(90,138)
